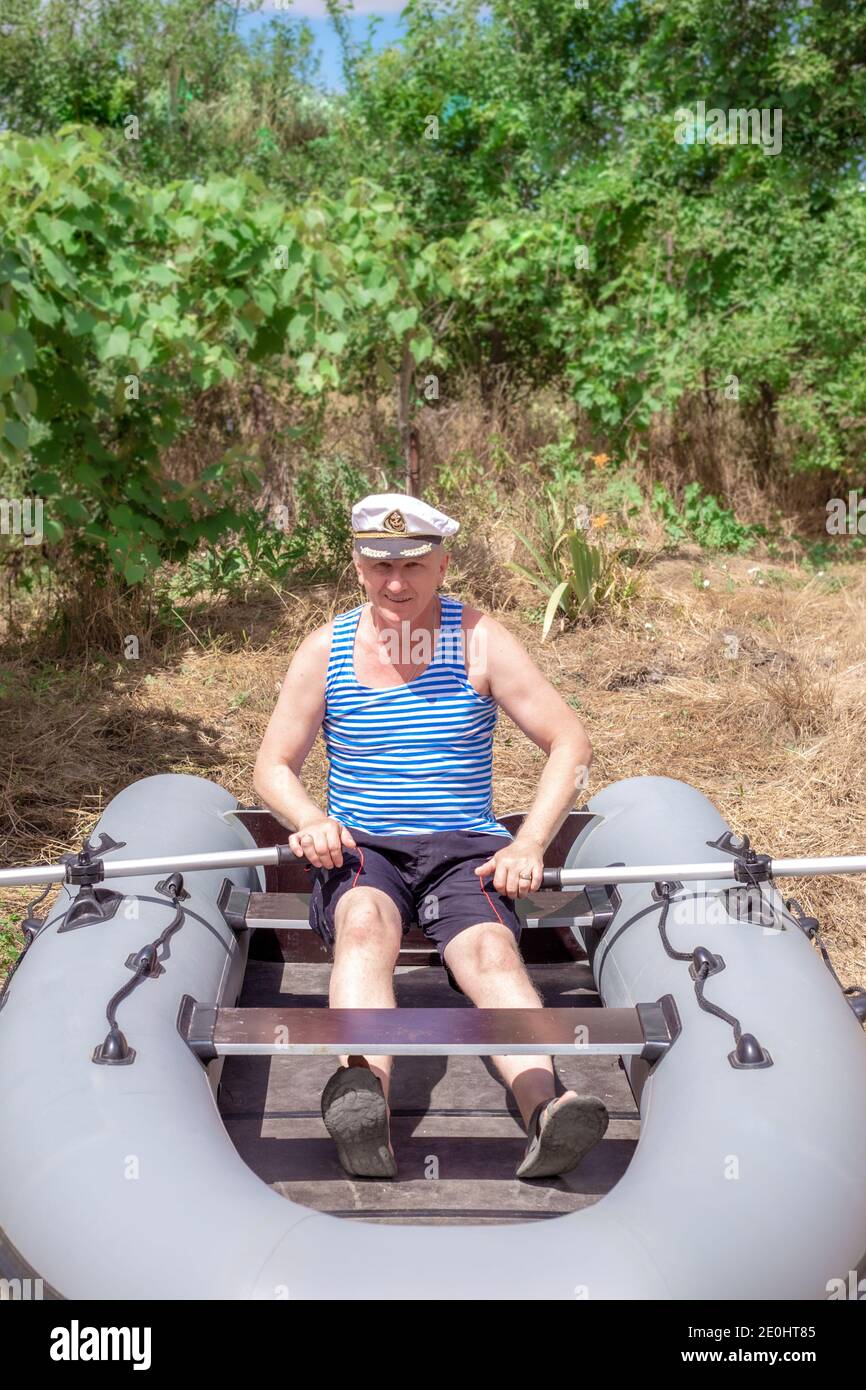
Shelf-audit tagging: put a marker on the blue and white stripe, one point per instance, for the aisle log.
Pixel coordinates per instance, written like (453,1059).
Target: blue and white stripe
(414,758)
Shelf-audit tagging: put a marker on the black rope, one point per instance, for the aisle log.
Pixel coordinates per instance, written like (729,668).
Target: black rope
(701,971)
(36,901)
(663,917)
(684,897)
(145,963)
(652,907)
(715,1009)
(829,965)
(146,958)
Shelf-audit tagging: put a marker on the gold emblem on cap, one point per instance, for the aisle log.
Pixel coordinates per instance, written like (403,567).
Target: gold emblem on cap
(395,522)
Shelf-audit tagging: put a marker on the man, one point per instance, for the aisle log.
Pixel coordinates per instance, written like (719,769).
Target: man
(406,690)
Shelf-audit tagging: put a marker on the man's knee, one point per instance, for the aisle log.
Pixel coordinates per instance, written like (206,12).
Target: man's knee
(366,919)
(487,948)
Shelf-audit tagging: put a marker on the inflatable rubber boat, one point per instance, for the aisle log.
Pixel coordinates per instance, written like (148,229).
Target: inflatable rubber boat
(744,1057)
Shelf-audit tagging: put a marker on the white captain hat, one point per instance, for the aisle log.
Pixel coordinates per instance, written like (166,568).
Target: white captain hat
(388,525)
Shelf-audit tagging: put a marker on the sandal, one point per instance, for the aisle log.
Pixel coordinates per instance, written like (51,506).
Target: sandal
(356,1117)
(570,1132)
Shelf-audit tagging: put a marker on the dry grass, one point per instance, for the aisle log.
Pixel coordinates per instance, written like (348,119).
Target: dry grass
(751,690)
(743,456)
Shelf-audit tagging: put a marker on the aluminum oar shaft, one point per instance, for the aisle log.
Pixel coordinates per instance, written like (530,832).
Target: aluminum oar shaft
(182,863)
(692,873)
(553,878)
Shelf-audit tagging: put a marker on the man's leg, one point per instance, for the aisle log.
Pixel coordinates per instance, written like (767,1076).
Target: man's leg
(368,933)
(487,965)
(485,961)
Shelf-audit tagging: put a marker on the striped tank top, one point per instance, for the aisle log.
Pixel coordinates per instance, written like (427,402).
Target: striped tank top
(414,758)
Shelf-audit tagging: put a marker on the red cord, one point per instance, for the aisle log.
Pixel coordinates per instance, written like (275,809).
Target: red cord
(361,869)
(492,904)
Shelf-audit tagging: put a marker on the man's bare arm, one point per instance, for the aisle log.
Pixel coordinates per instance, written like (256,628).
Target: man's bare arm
(291,734)
(538,709)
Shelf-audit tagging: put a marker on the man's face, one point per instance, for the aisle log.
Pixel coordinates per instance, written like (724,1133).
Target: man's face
(401,589)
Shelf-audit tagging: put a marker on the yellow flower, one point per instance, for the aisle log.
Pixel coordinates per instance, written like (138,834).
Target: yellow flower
(599,521)
(600,460)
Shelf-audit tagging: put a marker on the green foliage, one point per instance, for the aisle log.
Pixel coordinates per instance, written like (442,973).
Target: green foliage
(561,462)
(819,556)
(551,131)
(462,481)
(324,494)
(621,493)
(205,101)
(703,519)
(105,340)
(552,528)
(576,594)
(261,549)
(664,504)
(256,553)
(504,190)
(11,941)
(576,577)
(588,478)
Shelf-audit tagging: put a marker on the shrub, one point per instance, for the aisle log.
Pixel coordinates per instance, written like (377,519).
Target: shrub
(704,519)
(577,577)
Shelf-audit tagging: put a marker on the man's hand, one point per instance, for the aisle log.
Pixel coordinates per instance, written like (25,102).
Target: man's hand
(321,842)
(516,868)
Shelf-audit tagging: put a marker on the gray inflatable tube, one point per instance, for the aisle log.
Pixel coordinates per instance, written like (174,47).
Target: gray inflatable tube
(121,1182)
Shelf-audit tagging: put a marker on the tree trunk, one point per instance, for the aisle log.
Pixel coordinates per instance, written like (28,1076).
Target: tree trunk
(408,433)
(413,465)
(173,81)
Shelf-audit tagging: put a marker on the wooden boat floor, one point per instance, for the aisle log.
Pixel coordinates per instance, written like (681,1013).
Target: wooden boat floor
(455,1130)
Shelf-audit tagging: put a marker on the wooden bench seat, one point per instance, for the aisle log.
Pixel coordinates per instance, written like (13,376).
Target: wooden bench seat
(646,1031)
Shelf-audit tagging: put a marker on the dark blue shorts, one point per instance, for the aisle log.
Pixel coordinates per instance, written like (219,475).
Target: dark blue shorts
(429,877)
